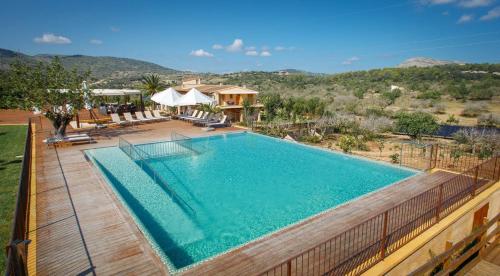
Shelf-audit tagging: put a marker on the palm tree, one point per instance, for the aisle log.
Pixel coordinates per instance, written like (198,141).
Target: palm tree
(151,83)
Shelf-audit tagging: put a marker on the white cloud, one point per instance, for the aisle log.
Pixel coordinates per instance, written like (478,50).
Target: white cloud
(236,46)
(217,47)
(436,2)
(251,53)
(350,61)
(265,53)
(465,18)
(283,48)
(200,53)
(52,39)
(492,14)
(96,41)
(475,3)
(114,29)
(461,3)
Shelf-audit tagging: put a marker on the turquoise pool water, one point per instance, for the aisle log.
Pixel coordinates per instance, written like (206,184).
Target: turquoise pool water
(240,186)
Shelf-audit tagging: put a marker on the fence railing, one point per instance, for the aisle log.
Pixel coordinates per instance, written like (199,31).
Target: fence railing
(448,261)
(359,248)
(449,157)
(17,249)
(138,155)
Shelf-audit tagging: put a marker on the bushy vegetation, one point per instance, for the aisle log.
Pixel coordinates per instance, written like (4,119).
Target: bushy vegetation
(416,124)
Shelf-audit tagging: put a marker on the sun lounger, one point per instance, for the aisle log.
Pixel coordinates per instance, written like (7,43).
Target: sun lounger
(157,115)
(200,115)
(129,118)
(139,116)
(188,114)
(68,140)
(204,118)
(116,119)
(221,123)
(193,115)
(150,116)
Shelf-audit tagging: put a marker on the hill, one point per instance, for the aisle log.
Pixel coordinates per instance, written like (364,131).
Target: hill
(103,68)
(425,62)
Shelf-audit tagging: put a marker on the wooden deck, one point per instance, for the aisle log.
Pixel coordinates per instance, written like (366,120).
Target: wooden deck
(81,227)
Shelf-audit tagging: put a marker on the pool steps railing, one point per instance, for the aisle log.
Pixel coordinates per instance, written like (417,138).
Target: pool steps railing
(140,156)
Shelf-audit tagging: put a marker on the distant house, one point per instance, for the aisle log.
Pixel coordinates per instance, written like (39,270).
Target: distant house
(229,98)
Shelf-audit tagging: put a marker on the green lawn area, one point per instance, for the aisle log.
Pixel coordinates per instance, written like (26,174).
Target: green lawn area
(12,140)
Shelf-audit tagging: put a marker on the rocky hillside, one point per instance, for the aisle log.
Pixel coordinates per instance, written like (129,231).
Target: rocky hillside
(425,62)
(101,67)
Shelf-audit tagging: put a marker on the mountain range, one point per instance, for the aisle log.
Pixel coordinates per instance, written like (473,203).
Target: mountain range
(102,67)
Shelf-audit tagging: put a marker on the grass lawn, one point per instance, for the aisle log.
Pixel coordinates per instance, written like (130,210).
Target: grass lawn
(12,140)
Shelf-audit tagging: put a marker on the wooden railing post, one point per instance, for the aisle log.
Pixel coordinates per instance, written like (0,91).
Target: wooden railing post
(495,172)
(384,235)
(474,187)
(289,268)
(439,204)
(430,157)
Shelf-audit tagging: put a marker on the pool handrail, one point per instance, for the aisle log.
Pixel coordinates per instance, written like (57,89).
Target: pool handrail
(133,150)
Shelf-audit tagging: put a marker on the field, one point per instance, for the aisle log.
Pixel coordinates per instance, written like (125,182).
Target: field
(11,146)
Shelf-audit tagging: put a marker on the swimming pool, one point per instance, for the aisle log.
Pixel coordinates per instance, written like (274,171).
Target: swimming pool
(234,188)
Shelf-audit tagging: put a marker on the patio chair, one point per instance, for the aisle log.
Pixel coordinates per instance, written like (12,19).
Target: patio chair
(157,115)
(68,140)
(188,114)
(221,123)
(116,119)
(199,116)
(139,116)
(129,118)
(193,115)
(203,118)
(150,116)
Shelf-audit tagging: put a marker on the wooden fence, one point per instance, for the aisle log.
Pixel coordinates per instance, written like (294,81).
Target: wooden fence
(443,156)
(482,241)
(17,248)
(359,248)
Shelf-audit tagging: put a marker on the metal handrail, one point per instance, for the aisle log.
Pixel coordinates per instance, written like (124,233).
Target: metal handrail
(157,178)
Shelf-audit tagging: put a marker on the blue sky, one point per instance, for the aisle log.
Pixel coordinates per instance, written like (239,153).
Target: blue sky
(228,36)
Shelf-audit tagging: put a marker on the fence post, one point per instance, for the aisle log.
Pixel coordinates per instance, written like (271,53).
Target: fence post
(384,235)
(440,203)
(289,268)
(474,187)
(430,157)
(495,172)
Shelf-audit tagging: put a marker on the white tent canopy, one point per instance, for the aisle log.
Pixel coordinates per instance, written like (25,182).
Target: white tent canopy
(167,97)
(194,97)
(115,92)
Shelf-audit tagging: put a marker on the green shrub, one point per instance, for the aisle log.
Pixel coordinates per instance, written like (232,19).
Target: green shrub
(394,158)
(347,143)
(429,95)
(472,109)
(416,124)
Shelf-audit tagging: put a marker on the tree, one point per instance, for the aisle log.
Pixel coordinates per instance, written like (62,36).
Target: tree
(347,143)
(52,89)
(416,124)
(271,103)
(248,111)
(151,84)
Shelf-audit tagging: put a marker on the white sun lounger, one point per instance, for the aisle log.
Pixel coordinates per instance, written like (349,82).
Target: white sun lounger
(221,123)
(129,118)
(188,114)
(116,119)
(68,139)
(150,116)
(200,115)
(139,116)
(157,114)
